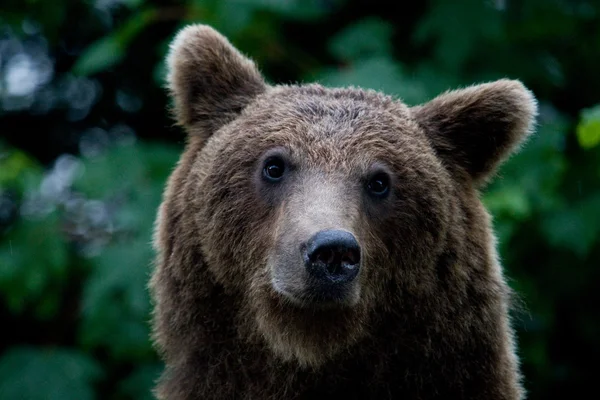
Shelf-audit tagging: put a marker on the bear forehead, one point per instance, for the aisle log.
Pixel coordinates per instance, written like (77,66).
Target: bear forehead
(324,125)
(313,101)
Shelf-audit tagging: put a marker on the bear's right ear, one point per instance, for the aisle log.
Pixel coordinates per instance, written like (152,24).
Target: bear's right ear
(475,129)
(210,81)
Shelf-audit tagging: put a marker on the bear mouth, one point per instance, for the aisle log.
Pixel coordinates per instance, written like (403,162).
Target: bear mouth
(308,328)
(317,294)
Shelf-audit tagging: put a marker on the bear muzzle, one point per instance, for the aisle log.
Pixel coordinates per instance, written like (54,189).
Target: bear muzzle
(323,273)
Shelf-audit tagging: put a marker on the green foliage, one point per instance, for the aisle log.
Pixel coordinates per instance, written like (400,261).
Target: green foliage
(137,384)
(366,47)
(455,38)
(31,278)
(17,170)
(28,278)
(292,9)
(47,374)
(109,50)
(75,233)
(124,186)
(369,37)
(588,130)
(115,305)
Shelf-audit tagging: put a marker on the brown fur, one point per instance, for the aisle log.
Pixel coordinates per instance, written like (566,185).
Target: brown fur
(429,318)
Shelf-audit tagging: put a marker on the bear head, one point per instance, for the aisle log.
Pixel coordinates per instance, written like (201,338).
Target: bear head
(317,210)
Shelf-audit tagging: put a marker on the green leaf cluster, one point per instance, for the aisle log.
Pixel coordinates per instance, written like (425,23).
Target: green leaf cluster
(110,309)
(75,232)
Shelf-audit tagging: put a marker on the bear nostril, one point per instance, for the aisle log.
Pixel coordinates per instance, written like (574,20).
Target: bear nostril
(332,256)
(350,258)
(326,256)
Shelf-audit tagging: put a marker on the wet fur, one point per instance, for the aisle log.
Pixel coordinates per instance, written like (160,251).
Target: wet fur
(432,320)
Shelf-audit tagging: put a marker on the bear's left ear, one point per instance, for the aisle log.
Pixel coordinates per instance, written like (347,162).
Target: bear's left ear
(210,81)
(478,127)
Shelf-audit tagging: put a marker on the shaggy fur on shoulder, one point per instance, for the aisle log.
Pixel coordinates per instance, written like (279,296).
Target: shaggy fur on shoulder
(237,313)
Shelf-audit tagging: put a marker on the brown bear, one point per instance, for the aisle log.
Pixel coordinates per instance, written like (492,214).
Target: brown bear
(330,242)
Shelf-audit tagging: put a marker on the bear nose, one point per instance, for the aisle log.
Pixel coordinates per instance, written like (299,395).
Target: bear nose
(332,256)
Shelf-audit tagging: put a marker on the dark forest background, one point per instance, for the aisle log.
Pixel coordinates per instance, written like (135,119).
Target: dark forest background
(86,144)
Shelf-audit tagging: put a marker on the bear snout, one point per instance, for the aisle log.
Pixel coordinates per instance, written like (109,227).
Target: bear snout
(332,258)
(332,262)
(322,271)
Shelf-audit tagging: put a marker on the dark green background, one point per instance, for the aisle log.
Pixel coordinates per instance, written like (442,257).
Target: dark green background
(86,145)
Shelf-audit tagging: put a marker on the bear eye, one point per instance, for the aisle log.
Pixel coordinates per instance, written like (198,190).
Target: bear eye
(379,184)
(274,169)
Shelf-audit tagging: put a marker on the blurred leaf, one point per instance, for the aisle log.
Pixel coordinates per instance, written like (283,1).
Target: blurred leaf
(538,168)
(35,374)
(18,170)
(510,201)
(370,37)
(109,50)
(588,129)
(49,15)
(233,23)
(134,169)
(139,384)
(433,80)
(111,173)
(115,301)
(576,228)
(99,56)
(33,257)
(133,3)
(452,25)
(292,9)
(13,164)
(378,73)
